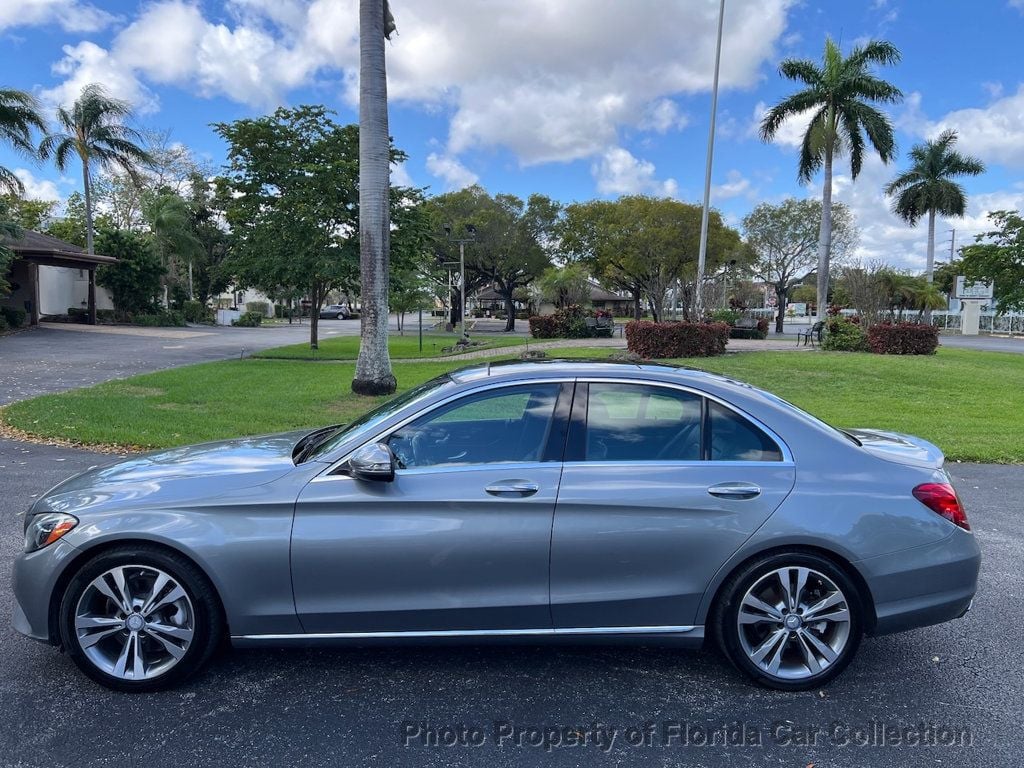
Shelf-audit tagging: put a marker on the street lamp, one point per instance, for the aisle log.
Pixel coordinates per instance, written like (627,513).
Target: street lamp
(469,238)
(702,255)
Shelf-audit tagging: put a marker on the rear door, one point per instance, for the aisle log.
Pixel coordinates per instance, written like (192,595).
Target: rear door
(659,487)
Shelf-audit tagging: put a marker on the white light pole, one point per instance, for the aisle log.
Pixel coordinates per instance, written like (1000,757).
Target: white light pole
(470,237)
(702,255)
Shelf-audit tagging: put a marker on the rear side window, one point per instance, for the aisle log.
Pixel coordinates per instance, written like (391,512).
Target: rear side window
(631,422)
(733,438)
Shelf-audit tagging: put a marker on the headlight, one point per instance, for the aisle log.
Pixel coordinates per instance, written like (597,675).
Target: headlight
(47,528)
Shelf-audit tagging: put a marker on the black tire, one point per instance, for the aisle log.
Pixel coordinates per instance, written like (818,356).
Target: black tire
(209,625)
(725,618)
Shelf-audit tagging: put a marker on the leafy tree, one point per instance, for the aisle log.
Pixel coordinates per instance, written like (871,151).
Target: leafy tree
(19,116)
(291,199)
(373,366)
(928,188)
(785,239)
(8,229)
(135,280)
(71,228)
(565,286)
(94,130)
(841,92)
(998,256)
(27,214)
(175,241)
(644,245)
(409,292)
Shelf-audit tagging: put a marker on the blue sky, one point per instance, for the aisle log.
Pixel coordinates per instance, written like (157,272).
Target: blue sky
(575,99)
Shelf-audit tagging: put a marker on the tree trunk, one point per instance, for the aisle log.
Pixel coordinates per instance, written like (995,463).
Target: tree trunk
(780,300)
(316,296)
(930,267)
(510,312)
(638,312)
(87,186)
(825,238)
(373,366)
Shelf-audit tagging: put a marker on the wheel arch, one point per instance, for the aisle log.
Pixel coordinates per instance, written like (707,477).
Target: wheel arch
(85,555)
(714,594)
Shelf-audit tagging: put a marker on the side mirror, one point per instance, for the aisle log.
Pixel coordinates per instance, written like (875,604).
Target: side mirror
(373,462)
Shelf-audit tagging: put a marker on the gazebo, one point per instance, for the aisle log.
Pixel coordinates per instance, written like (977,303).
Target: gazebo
(33,250)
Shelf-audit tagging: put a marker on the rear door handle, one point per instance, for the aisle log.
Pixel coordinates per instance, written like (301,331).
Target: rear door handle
(512,488)
(735,490)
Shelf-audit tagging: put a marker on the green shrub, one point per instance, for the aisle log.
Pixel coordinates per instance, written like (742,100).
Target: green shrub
(903,339)
(249,320)
(727,316)
(659,340)
(842,335)
(543,327)
(571,322)
(161,319)
(3,324)
(195,312)
(13,317)
(261,307)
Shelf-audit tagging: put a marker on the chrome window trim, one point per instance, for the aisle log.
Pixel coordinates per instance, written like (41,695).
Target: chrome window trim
(787,455)
(547,631)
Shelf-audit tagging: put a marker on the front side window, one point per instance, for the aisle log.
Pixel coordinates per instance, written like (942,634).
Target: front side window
(632,422)
(505,425)
(733,438)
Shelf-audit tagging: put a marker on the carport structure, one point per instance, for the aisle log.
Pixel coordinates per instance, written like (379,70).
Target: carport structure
(33,250)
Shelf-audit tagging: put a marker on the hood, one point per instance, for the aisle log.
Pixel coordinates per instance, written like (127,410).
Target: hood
(177,475)
(902,449)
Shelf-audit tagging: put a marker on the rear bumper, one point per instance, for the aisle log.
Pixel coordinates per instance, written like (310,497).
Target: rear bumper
(924,585)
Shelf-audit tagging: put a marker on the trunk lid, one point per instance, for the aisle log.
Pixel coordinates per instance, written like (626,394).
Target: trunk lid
(899,448)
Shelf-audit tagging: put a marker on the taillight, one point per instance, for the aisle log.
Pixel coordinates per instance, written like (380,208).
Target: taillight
(941,499)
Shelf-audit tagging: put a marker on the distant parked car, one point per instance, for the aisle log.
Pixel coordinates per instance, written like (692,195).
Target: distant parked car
(334,312)
(540,501)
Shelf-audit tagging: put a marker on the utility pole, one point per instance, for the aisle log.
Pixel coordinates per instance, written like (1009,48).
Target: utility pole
(702,255)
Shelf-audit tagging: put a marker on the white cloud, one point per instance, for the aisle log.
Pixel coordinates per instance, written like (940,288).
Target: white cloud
(87,63)
(72,16)
(735,186)
(400,176)
(618,172)
(1018,4)
(455,175)
(38,189)
(549,81)
(994,133)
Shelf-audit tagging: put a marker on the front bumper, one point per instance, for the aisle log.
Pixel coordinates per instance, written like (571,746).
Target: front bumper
(34,579)
(923,585)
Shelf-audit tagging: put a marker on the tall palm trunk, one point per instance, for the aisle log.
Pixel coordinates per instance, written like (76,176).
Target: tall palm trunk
(373,366)
(825,237)
(87,184)
(930,266)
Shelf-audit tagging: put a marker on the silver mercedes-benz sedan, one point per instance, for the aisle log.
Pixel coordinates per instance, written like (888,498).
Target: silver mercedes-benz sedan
(536,501)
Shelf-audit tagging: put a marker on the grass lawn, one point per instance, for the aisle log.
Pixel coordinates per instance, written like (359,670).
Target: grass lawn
(969,403)
(402,347)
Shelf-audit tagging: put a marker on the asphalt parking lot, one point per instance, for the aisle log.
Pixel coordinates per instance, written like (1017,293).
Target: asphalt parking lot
(386,706)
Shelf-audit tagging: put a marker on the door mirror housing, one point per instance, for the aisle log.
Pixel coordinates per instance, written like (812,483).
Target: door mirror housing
(373,462)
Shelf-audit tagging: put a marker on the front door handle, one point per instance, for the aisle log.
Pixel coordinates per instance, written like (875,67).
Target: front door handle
(513,488)
(735,490)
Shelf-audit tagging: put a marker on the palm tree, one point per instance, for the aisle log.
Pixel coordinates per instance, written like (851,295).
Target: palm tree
(373,366)
(841,92)
(94,130)
(170,218)
(928,188)
(19,115)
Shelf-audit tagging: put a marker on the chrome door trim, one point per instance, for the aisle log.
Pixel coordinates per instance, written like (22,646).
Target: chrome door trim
(548,631)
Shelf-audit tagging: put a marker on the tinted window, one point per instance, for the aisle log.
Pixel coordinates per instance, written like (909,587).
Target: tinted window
(633,422)
(501,425)
(733,438)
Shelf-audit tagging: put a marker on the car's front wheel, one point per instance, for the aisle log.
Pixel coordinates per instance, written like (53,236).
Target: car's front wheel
(790,621)
(138,618)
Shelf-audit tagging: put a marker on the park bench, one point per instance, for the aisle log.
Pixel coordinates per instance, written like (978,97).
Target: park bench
(600,326)
(812,333)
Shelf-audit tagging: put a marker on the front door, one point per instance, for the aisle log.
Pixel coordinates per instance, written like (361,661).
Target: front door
(458,541)
(660,486)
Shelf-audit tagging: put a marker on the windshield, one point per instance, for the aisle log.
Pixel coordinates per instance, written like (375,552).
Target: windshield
(371,419)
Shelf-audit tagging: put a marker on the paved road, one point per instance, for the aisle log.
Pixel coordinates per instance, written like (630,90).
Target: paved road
(988,343)
(347,707)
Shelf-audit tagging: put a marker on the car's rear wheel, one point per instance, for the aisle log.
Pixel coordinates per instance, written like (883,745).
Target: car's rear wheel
(140,619)
(790,621)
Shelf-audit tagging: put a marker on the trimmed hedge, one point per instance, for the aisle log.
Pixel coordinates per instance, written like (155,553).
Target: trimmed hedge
(903,339)
(543,327)
(658,340)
